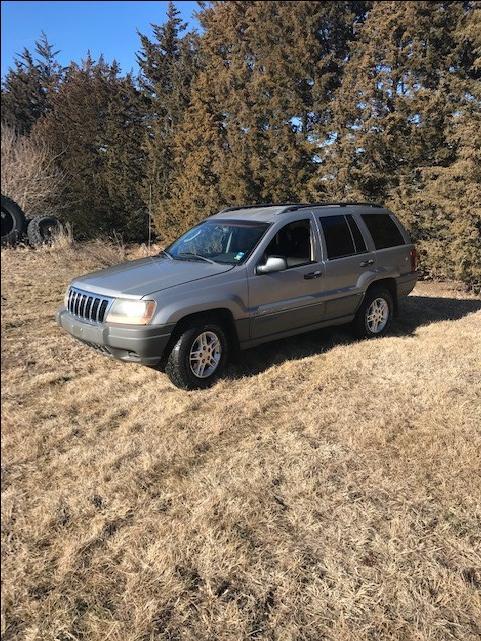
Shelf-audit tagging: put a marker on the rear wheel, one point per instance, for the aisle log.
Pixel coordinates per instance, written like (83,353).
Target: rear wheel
(199,356)
(374,316)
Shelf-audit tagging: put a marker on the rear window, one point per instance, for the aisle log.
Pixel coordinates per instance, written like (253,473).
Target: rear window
(383,229)
(339,241)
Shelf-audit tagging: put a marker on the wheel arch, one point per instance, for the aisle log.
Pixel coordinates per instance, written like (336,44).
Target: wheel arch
(221,315)
(391,285)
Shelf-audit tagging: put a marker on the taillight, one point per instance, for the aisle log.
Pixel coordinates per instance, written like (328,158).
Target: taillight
(414,259)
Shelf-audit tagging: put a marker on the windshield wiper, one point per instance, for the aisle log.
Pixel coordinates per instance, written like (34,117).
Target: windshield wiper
(194,256)
(162,251)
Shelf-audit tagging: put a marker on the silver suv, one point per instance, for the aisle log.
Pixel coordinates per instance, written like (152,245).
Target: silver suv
(242,277)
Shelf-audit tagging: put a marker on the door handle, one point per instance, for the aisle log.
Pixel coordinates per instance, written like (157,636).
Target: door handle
(312,275)
(365,263)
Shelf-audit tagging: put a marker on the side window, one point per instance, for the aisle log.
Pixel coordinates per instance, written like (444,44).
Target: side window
(383,230)
(338,237)
(293,242)
(359,241)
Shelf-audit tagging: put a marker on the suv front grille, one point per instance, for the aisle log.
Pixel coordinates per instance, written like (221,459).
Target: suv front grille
(86,306)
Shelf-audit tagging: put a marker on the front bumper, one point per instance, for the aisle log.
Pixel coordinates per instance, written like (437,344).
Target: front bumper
(134,343)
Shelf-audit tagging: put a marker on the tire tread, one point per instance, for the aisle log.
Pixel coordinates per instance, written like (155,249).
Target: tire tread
(19,221)
(34,233)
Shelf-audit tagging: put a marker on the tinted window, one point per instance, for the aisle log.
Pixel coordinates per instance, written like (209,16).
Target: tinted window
(356,235)
(338,237)
(383,230)
(292,242)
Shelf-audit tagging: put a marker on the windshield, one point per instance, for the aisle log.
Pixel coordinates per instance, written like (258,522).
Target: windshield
(219,241)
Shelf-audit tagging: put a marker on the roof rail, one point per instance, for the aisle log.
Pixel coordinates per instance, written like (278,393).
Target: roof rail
(336,204)
(260,205)
(295,206)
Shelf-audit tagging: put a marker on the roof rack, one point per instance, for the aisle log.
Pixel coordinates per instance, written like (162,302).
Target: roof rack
(332,204)
(260,205)
(287,207)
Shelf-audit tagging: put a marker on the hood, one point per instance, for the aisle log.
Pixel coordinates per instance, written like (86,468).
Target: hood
(138,278)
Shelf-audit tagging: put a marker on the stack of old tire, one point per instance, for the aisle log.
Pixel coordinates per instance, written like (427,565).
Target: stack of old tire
(16,227)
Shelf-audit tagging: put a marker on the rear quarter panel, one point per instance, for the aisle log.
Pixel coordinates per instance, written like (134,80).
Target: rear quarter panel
(391,262)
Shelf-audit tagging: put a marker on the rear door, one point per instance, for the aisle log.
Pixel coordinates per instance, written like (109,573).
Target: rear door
(291,298)
(347,257)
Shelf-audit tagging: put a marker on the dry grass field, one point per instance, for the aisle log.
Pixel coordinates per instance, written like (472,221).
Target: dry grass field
(326,490)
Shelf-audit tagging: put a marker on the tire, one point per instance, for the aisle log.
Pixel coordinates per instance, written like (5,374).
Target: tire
(371,320)
(14,222)
(178,366)
(41,230)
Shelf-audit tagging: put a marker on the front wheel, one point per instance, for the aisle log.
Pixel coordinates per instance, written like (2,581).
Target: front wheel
(374,316)
(199,356)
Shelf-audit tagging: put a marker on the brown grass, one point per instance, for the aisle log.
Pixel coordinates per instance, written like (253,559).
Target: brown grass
(328,489)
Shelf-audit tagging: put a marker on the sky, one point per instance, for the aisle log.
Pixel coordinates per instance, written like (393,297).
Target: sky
(74,27)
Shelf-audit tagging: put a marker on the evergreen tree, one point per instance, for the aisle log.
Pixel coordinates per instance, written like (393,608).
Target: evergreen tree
(125,160)
(443,209)
(95,128)
(301,55)
(27,88)
(442,204)
(390,111)
(269,69)
(199,143)
(167,64)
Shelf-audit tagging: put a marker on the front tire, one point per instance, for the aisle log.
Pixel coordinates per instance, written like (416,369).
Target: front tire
(199,356)
(374,316)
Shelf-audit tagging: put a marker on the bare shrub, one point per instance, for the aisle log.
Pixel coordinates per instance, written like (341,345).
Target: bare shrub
(111,250)
(30,175)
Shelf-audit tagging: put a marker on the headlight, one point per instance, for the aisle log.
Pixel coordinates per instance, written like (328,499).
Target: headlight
(65,298)
(132,312)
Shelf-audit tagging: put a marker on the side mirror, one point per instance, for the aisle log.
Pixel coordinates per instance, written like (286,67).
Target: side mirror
(272,264)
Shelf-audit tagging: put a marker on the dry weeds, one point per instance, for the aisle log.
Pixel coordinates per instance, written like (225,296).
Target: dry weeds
(29,174)
(328,489)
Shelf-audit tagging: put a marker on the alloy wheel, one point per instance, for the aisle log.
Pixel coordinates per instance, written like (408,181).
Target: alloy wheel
(205,354)
(377,315)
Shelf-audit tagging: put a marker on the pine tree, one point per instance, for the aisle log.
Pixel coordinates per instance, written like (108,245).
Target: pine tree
(273,101)
(301,53)
(167,64)
(390,111)
(198,146)
(125,162)
(95,128)
(442,204)
(28,87)
(268,73)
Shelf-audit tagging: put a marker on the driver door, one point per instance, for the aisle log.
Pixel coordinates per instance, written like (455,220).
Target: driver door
(291,298)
